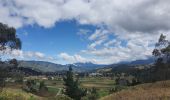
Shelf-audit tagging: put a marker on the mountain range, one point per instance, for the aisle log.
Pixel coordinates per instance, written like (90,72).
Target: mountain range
(43,66)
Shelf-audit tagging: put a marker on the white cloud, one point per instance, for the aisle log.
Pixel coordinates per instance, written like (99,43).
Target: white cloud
(129,15)
(72,59)
(138,46)
(39,55)
(98,34)
(107,44)
(98,38)
(83,31)
(67,57)
(97,42)
(26,55)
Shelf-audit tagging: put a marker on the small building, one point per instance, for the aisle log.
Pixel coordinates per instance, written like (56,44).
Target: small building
(95,74)
(44,78)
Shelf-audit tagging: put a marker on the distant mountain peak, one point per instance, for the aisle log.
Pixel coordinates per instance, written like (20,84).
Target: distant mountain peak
(84,63)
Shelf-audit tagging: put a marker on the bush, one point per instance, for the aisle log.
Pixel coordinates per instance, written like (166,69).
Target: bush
(32,98)
(43,87)
(117,88)
(35,87)
(90,97)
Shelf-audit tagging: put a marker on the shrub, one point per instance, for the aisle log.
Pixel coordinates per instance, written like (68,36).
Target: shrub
(117,88)
(31,86)
(90,97)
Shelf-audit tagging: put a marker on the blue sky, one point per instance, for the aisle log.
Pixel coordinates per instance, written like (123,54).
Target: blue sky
(97,31)
(62,37)
(66,36)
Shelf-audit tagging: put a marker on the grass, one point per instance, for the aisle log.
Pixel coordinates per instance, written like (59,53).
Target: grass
(53,90)
(89,82)
(149,91)
(102,93)
(100,83)
(17,94)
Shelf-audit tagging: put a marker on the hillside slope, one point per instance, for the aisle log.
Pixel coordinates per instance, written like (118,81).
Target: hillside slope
(149,91)
(43,66)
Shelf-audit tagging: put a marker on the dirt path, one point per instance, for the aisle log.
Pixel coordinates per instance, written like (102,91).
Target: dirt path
(59,92)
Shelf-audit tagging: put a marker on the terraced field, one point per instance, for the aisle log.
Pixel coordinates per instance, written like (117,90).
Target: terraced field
(100,83)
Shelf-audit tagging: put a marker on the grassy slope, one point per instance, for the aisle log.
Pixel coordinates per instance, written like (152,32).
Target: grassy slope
(17,94)
(149,91)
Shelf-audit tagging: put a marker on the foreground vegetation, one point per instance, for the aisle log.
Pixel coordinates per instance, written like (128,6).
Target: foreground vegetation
(13,90)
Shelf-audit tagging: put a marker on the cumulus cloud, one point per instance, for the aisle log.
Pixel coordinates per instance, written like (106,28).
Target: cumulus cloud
(72,59)
(129,15)
(26,55)
(124,48)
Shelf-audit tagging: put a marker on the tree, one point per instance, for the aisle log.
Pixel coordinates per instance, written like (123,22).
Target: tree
(93,95)
(13,62)
(72,86)
(162,50)
(43,88)
(31,86)
(162,54)
(3,74)
(8,40)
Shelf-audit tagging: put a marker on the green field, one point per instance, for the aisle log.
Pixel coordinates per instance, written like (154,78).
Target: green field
(102,84)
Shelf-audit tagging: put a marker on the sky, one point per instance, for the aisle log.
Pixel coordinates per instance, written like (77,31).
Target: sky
(97,31)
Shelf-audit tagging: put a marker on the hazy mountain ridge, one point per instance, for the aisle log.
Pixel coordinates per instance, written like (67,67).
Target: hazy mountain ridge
(150,60)
(43,66)
(89,65)
(52,67)
(128,65)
